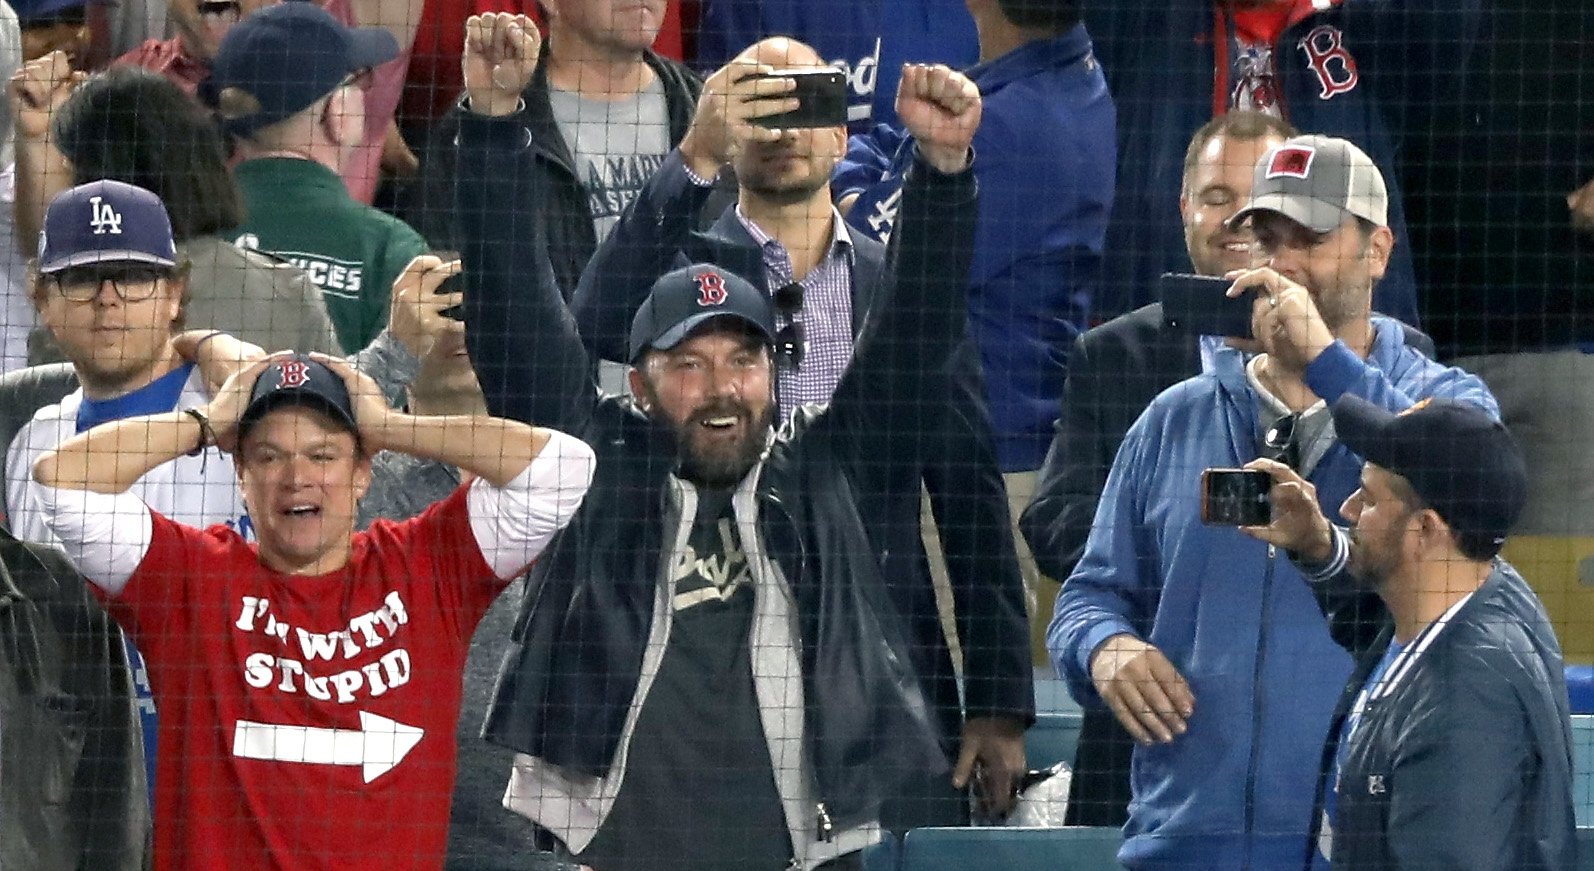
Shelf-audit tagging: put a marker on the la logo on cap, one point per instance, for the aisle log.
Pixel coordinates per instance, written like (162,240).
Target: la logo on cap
(1292,162)
(295,373)
(104,219)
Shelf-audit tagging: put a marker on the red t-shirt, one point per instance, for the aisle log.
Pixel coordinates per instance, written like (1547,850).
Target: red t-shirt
(279,694)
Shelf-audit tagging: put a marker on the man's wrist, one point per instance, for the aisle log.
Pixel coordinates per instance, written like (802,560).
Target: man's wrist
(1331,563)
(495,106)
(947,161)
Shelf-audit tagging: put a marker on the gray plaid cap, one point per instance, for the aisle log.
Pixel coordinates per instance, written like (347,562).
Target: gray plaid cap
(1316,181)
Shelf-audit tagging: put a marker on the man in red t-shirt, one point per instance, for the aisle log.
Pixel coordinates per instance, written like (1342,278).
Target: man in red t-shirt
(308,684)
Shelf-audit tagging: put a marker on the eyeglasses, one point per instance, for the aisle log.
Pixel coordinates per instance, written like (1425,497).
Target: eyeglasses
(360,79)
(789,340)
(1282,441)
(131,283)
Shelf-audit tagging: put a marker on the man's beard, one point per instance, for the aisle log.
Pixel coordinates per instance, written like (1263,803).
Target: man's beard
(1371,569)
(771,188)
(720,466)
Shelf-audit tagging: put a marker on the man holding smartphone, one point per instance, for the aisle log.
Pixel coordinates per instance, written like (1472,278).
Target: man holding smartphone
(1204,643)
(784,235)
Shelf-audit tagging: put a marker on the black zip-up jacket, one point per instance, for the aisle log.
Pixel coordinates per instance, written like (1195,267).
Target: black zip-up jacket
(564,695)
(567,234)
(1464,761)
(73,793)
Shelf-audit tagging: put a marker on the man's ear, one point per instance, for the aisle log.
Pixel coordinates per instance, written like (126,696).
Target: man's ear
(337,123)
(362,477)
(639,388)
(1380,245)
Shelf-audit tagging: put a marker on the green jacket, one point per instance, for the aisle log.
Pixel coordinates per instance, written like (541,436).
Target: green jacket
(300,211)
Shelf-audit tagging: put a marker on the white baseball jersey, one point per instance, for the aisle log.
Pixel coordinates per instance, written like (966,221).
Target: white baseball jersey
(198,491)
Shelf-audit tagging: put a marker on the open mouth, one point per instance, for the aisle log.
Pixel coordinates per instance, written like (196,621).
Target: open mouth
(724,422)
(301,511)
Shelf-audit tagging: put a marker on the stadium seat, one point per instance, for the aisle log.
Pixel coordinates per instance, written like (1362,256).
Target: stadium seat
(1076,848)
(883,856)
(1583,769)
(1585,848)
(1052,740)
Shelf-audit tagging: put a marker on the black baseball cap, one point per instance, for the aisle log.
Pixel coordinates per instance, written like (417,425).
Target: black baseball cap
(280,60)
(686,299)
(1461,462)
(105,222)
(299,380)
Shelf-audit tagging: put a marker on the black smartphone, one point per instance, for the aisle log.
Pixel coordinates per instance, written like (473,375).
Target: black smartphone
(1196,304)
(452,284)
(1236,497)
(821,96)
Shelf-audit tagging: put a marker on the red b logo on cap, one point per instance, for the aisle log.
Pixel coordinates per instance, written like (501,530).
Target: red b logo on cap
(295,373)
(710,288)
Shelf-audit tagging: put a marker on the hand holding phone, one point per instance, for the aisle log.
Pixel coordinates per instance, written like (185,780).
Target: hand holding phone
(1236,497)
(1198,304)
(821,96)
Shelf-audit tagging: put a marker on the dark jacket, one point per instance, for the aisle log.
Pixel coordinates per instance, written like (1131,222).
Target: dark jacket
(1116,369)
(22,393)
(1463,760)
(1160,57)
(565,692)
(73,794)
(959,468)
(1499,264)
(568,237)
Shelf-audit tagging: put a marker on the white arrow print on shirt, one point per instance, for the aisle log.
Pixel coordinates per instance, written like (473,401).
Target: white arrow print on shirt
(378,745)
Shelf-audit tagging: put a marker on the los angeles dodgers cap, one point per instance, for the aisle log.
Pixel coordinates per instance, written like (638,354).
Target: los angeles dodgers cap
(1316,181)
(299,380)
(683,300)
(105,222)
(1461,462)
(281,59)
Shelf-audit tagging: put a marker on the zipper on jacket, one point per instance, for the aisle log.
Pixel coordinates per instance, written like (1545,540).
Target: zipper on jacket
(1257,704)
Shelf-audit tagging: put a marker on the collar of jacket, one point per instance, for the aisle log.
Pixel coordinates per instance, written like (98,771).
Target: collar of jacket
(728,244)
(1070,47)
(681,90)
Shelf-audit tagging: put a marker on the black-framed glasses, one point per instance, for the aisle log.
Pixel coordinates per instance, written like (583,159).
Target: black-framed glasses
(790,340)
(1282,440)
(131,283)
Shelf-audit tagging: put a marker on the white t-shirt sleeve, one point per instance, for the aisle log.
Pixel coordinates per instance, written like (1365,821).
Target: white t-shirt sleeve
(105,537)
(514,523)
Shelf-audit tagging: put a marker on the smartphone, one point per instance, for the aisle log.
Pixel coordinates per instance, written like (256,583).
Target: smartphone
(1236,497)
(1196,304)
(821,96)
(452,284)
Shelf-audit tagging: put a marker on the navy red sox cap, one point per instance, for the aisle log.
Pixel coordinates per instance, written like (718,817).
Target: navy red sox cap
(105,222)
(299,380)
(688,298)
(1460,462)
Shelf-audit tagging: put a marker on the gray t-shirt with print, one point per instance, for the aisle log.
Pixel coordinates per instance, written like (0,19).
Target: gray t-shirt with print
(617,144)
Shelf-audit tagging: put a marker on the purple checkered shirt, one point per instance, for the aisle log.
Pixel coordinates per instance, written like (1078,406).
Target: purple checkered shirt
(826,315)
